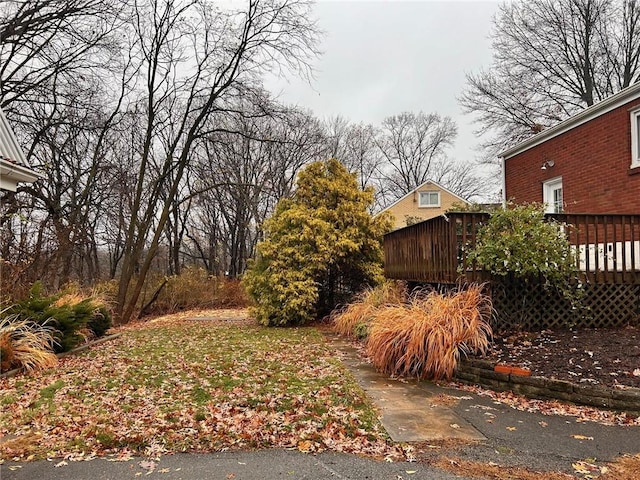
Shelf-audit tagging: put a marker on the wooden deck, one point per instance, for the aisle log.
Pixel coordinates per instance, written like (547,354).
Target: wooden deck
(606,247)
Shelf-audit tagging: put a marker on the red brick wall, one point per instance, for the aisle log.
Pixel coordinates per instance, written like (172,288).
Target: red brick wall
(593,160)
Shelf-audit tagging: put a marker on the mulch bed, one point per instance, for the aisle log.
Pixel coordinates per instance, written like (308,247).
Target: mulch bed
(609,357)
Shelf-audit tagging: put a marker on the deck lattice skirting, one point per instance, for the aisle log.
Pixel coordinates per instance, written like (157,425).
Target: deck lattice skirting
(607,248)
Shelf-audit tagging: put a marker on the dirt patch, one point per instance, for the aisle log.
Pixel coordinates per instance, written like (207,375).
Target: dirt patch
(609,357)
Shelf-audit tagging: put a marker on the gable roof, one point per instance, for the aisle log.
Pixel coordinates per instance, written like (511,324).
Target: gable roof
(9,147)
(623,96)
(13,163)
(418,188)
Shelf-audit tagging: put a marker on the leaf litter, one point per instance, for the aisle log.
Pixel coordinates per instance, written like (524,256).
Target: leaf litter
(177,384)
(553,407)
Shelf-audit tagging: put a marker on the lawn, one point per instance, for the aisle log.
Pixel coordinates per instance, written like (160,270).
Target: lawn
(174,384)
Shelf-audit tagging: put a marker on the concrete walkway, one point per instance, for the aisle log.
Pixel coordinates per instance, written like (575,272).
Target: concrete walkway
(487,431)
(411,411)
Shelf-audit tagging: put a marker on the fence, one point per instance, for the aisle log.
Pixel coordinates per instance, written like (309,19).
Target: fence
(432,251)
(606,250)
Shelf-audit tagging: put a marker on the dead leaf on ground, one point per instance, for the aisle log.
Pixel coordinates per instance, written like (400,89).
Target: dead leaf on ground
(494,471)
(582,437)
(626,467)
(176,384)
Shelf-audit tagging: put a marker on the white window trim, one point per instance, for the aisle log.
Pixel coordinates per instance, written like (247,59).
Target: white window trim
(429,205)
(547,198)
(635,140)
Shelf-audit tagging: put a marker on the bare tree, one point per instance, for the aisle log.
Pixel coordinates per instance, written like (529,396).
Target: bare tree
(194,58)
(70,146)
(58,85)
(361,154)
(48,43)
(336,129)
(551,59)
(355,146)
(463,179)
(115,102)
(243,172)
(413,146)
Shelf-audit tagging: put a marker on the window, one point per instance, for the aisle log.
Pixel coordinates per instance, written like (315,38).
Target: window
(635,139)
(552,195)
(429,199)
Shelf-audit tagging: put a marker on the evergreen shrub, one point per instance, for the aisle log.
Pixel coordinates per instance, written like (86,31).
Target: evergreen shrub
(75,317)
(320,247)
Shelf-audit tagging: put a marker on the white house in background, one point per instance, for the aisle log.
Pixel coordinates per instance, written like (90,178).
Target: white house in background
(13,164)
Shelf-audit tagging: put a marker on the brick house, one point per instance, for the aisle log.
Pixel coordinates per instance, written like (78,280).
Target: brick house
(13,164)
(426,201)
(589,163)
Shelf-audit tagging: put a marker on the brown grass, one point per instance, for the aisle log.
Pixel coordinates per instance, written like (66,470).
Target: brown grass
(425,337)
(14,281)
(624,468)
(25,344)
(73,298)
(194,288)
(473,469)
(363,310)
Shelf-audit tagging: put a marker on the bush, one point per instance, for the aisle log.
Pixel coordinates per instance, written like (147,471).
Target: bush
(519,248)
(320,248)
(518,242)
(100,321)
(425,337)
(25,344)
(74,316)
(194,288)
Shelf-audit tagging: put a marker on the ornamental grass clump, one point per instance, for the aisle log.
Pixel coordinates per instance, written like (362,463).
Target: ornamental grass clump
(74,316)
(425,337)
(25,344)
(354,319)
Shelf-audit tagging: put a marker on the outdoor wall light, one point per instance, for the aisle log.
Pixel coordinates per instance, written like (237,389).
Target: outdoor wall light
(547,164)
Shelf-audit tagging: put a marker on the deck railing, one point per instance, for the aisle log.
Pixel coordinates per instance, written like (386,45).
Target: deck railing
(606,247)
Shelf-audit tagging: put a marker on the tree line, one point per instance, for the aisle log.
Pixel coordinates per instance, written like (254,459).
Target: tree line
(158,145)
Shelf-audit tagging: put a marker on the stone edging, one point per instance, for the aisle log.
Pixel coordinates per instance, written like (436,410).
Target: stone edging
(481,372)
(16,371)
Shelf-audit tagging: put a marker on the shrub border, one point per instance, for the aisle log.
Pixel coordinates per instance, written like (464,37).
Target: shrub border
(481,372)
(84,346)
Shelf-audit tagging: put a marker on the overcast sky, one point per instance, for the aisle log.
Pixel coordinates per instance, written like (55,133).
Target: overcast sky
(385,57)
